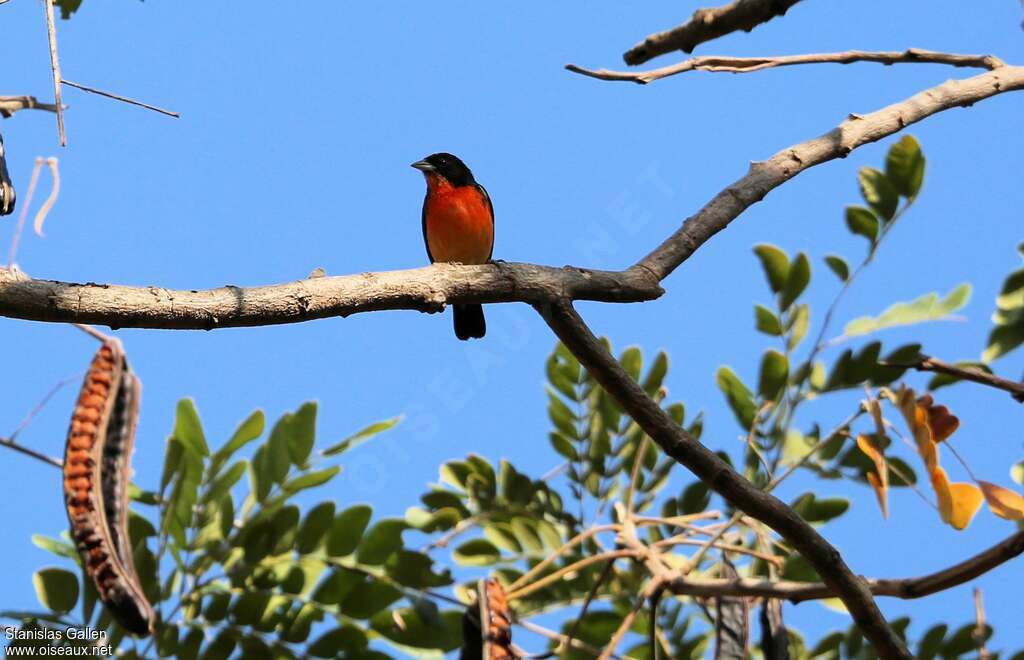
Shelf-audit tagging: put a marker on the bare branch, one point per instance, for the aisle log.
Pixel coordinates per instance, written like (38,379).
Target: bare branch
(908,588)
(425,289)
(51,32)
(707,24)
(926,363)
(855,131)
(123,99)
(722,64)
(719,476)
(11,104)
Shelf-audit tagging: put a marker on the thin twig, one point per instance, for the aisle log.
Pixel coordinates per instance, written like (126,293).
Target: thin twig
(51,31)
(123,99)
(979,627)
(928,363)
(51,199)
(562,639)
(529,588)
(92,332)
(39,406)
(605,572)
(547,561)
(725,64)
(652,588)
(11,444)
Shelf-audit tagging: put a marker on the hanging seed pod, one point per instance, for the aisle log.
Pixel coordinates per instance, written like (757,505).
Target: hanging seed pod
(97,467)
(493,639)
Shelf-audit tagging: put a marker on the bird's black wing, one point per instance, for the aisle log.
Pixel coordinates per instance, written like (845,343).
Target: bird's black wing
(490,206)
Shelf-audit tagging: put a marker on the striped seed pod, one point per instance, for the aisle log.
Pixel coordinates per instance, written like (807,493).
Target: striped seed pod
(96,471)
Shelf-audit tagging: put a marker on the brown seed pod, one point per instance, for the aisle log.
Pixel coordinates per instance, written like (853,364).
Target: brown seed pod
(96,471)
(493,639)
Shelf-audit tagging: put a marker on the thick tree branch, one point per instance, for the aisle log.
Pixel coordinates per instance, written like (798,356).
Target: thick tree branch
(907,588)
(721,64)
(707,24)
(855,131)
(719,476)
(926,363)
(424,289)
(11,104)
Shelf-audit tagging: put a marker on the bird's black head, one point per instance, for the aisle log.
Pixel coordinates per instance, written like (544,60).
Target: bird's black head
(447,166)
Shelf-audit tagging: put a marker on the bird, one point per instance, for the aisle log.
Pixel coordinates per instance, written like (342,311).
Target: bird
(458,227)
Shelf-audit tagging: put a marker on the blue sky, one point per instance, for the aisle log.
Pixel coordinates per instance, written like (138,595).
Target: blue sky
(297,128)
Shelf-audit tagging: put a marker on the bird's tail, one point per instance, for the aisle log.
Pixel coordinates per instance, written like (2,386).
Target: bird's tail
(469,321)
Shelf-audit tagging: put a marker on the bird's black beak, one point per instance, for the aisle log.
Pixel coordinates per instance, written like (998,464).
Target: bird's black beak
(423,166)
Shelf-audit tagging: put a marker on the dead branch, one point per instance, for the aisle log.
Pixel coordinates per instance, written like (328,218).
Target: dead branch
(707,24)
(723,64)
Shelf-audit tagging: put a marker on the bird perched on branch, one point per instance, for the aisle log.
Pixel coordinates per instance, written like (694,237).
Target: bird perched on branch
(458,226)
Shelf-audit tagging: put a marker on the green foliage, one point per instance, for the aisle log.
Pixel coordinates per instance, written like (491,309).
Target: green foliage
(1008,333)
(926,308)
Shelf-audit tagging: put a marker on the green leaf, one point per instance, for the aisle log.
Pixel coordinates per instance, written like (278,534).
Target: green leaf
(188,430)
(774,374)
(1017,473)
(57,547)
(695,499)
(277,458)
(775,264)
(815,510)
(863,222)
(838,266)
(381,541)
(656,374)
(1002,340)
(632,362)
(799,322)
(963,641)
(314,527)
(246,432)
(368,598)
(310,479)
(347,530)
(766,321)
(362,435)
(930,644)
(796,282)
(926,308)
(878,192)
(56,589)
(222,484)
(339,642)
(738,396)
(563,446)
(797,568)
(303,433)
(334,588)
(445,633)
(904,166)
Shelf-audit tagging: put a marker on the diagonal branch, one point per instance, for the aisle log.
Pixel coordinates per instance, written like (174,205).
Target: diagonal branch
(907,588)
(719,476)
(723,64)
(854,132)
(707,24)
(425,289)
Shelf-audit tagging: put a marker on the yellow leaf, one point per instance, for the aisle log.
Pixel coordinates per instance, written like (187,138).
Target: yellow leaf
(957,502)
(1003,502)
(879,479)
